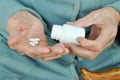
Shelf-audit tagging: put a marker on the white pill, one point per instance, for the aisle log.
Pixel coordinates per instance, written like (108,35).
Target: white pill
(37,39)
(32,43)
(34,39)
(35,42)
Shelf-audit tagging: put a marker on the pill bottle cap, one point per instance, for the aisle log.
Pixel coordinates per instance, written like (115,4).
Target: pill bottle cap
(56,32)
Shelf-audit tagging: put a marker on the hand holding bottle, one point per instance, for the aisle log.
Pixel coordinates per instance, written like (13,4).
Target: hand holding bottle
(104,24)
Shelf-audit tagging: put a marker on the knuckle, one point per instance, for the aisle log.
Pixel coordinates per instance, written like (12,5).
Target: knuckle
(99,48)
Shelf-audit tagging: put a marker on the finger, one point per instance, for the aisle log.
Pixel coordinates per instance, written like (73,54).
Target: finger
(107,33)
(83,22)
(46,55)
(58,49)
(61,45)
(106,38)
(51,58)
(84,53)
(90,44)
(37,51)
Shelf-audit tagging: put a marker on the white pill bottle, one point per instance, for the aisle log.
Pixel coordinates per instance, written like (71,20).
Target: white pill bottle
(67,33)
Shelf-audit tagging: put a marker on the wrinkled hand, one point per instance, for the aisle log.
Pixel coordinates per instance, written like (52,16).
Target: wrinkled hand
(23,26)
(104,24)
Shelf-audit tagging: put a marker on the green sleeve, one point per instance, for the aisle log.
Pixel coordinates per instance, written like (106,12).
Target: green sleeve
(9,8)
(115,5)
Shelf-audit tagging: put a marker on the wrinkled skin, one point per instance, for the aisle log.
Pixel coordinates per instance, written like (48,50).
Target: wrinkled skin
(104,24)
(22,26)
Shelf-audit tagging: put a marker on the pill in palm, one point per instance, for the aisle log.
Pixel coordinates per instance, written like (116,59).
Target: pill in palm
(34,39)
(35,42)
(32,44)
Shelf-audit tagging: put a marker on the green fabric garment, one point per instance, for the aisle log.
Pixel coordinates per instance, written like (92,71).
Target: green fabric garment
(52,11)
(14,66)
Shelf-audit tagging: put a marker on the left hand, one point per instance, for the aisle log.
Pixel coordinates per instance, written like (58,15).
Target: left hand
(104,24)
(21,27)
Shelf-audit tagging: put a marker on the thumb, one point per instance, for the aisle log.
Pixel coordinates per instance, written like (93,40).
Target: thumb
(14,39)
(83,22)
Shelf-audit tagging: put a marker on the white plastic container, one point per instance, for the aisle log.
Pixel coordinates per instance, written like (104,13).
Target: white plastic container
(67,33)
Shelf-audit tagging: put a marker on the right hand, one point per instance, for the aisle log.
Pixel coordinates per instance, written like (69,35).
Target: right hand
(23,26)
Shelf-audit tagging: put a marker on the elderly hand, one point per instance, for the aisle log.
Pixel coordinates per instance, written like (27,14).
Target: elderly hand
(23,26)
(104,24)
